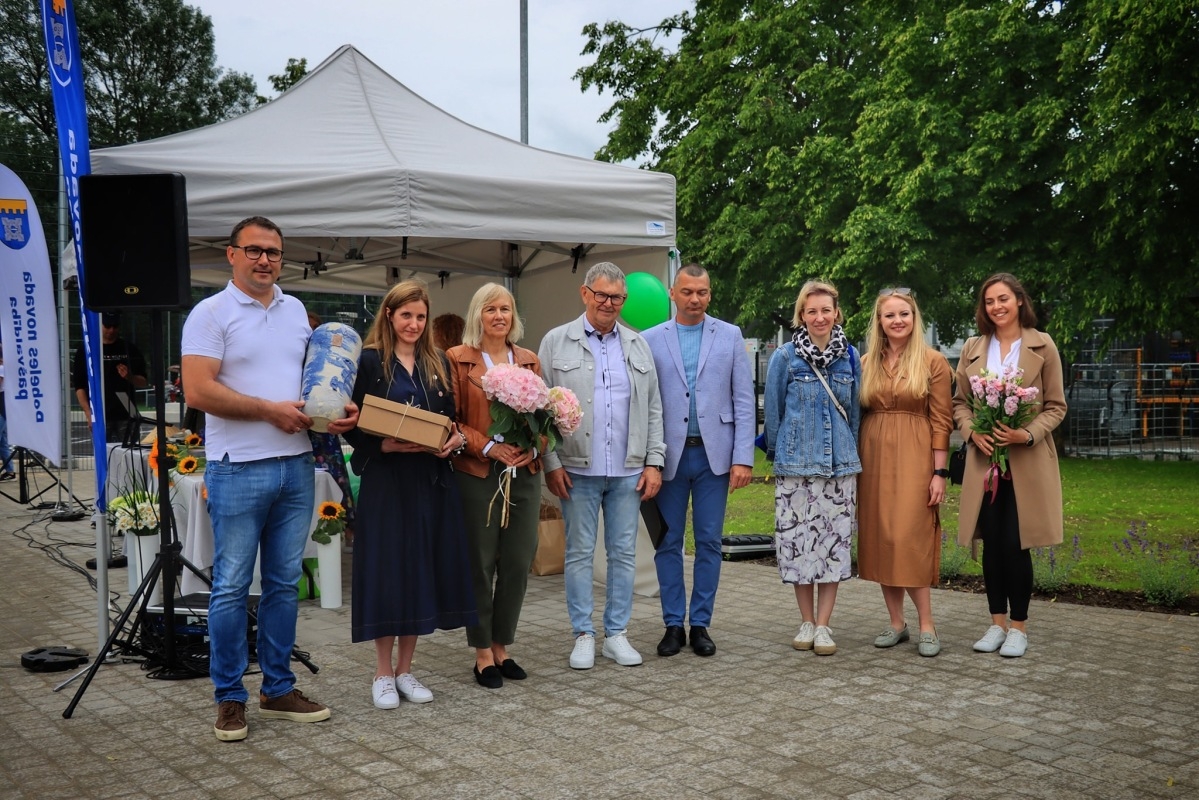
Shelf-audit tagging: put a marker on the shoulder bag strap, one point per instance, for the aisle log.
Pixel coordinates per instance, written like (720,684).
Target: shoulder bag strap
(831,396)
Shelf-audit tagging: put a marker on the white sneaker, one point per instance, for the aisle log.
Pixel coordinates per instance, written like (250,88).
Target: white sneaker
(413,690)
(1014,644)
(991,640)
(619,650)
(823,644)
(583,656)
(383,690)
(803,640)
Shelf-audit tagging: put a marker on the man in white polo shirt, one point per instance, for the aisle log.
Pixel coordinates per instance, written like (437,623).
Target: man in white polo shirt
(243,358)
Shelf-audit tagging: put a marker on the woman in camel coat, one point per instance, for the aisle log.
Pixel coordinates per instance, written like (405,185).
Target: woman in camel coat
(1027,509)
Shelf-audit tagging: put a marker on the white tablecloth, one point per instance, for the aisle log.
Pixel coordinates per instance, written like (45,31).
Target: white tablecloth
(195,527)
(128,469)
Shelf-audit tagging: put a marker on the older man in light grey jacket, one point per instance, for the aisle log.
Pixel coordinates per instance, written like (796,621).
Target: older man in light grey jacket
(613,462)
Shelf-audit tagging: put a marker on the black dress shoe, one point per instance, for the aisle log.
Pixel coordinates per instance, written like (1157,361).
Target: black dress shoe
(489,677)
(512,671)
(673,641)
(701,642)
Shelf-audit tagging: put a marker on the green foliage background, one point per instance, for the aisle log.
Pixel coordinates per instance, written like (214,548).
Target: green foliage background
(923,144)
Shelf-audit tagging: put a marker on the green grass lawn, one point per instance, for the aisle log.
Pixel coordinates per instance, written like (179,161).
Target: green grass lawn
(1101,500)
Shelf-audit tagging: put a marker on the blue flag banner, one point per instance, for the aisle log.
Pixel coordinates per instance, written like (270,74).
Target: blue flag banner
(32,384)
(66,83)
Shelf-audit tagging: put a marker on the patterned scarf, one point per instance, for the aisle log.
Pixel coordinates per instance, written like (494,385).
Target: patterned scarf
(838,346)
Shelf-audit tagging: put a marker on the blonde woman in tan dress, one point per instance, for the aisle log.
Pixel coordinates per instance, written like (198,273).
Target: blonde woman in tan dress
(904,443)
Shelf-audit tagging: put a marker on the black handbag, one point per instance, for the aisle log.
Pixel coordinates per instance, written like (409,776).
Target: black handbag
(957,465)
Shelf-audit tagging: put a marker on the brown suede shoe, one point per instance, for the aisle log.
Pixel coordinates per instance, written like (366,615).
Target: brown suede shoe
(293,706)
(231,721)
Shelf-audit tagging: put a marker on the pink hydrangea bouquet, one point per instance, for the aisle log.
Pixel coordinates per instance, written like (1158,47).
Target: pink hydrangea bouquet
(995,399)
(525,410)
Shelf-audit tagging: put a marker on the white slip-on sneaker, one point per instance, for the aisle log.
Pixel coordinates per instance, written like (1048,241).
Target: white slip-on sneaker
(583,656)
(1014,644)
(413,690)
(619,650)
(803,640)
(383,691)
(992,640)
(823,644)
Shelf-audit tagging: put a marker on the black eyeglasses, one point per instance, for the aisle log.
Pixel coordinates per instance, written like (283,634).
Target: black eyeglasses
(604,297)
(254,252)
(902,291)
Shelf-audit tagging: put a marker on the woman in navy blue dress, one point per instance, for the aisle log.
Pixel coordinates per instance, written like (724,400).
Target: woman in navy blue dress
(411,571)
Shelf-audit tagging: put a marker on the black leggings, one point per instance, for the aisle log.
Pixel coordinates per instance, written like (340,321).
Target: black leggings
(1007,569)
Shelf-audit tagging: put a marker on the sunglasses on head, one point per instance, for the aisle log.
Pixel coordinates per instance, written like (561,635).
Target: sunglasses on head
(902,291)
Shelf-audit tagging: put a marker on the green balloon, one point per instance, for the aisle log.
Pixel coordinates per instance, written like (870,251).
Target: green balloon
(648,303)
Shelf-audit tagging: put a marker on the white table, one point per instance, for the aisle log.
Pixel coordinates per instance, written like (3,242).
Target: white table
(128,469)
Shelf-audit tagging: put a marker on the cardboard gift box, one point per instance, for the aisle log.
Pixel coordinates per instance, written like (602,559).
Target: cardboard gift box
(404,422)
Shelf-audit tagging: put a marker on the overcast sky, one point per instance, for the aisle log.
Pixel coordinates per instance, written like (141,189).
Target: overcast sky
(460,55)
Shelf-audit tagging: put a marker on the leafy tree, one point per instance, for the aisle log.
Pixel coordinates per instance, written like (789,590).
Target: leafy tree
(296,69)
(921,144)
(149,67)
(1130,187)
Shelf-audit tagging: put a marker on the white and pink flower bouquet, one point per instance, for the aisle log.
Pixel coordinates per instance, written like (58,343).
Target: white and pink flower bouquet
(995,399)
(525,410)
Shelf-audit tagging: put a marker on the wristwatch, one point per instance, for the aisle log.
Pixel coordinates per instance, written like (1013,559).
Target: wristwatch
(658,467)
(941,473)
(1030,441)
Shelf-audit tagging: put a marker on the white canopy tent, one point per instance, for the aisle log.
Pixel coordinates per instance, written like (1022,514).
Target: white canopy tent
(371,184)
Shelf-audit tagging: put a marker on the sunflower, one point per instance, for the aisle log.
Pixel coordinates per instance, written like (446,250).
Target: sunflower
(192,440)
(187,465)
(331,520)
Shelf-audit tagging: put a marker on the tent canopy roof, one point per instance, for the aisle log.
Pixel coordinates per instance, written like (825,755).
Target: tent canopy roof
(369,181)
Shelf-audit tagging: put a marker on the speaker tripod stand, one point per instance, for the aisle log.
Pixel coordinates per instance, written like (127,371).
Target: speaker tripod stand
(28,465)
(166,564)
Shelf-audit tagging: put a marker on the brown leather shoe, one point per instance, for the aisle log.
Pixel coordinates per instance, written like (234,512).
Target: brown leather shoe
(231,721)
(293,706)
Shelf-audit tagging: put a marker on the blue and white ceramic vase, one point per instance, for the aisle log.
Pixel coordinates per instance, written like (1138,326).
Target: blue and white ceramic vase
(329,371)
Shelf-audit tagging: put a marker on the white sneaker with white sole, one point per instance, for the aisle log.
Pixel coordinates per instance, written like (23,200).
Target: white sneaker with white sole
(583,656)
(619,650)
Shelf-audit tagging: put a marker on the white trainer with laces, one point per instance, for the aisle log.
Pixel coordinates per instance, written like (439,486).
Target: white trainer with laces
(823,644)
(413,690)
(383,691)
(583,656)
(992,640)
(619,650)
(806,636)
(1014,644)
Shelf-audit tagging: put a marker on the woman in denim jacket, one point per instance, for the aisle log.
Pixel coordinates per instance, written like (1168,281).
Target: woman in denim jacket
(812,441)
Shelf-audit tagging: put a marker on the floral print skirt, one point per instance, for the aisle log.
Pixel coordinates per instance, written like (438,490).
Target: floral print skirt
(813,526)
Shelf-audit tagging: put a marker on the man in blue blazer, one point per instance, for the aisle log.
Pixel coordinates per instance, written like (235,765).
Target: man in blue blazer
(709,422)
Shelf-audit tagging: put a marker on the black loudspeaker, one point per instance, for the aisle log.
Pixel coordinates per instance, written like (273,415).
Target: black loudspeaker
(135,241)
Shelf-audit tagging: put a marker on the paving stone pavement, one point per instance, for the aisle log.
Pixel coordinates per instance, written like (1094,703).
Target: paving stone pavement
(1104,705)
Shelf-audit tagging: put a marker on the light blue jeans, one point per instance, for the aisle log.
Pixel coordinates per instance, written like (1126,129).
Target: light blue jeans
(267,505)
(709,496)
(621,505)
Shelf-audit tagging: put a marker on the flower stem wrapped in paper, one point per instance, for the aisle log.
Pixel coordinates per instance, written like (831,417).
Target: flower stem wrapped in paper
(528,414)
(995,399)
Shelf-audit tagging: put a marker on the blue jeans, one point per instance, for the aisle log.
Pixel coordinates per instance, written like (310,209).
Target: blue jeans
(263,504)
(709,495)
(621,505)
